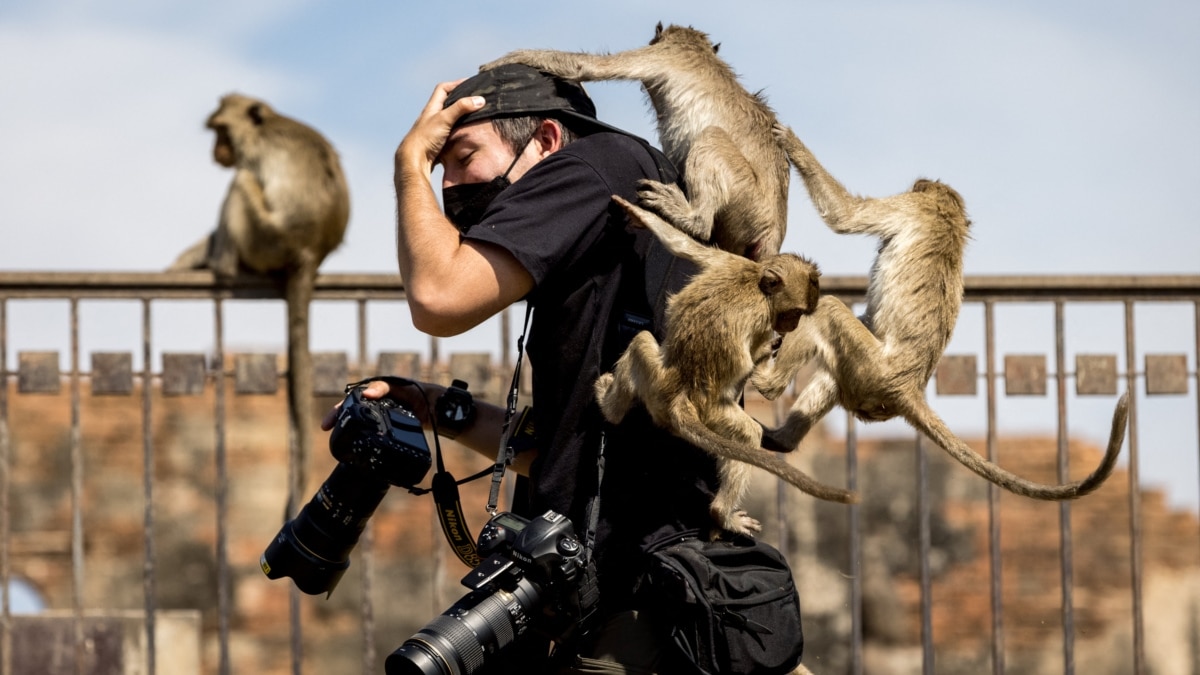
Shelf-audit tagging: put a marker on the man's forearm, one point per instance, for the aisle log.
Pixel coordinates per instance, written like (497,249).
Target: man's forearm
(425,239)
(483,436)
(450,287)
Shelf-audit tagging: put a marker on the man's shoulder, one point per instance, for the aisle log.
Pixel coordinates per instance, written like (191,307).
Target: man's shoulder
(618,156)
(608,147)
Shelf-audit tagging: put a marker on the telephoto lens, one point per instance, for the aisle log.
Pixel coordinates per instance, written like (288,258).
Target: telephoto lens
(314,547)
(376,443)
(534,574)
(463,638)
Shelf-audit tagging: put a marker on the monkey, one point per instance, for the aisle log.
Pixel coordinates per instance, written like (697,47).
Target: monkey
(709,125)
(720,325)
(876,366)
(285,211)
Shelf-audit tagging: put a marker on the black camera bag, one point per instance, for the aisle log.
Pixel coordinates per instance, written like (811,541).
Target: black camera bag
(730,606)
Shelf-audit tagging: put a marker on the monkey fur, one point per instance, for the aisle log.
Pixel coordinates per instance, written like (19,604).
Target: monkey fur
(877,366)
(719,327)
(709,126)
(285,211)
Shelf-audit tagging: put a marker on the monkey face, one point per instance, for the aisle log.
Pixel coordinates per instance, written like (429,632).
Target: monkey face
(787,320)
(223,153)
(792,287)
(236,118)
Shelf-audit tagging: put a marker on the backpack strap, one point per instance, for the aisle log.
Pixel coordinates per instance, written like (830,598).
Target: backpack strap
(642,302)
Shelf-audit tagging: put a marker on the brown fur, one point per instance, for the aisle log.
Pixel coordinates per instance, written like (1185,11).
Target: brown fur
(719,327)
(286,209)
(877,366)
(709,126)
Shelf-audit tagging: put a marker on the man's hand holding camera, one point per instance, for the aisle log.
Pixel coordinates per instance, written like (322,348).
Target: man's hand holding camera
(479,431)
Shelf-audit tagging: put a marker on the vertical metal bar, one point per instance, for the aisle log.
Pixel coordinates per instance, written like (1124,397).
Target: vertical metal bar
(77,576)
(296,643)
(294,503)
(361,306)
(148,580)
(781,487)
(855,550)
(1135,497)
(1066,551)
(367,542)
(5,480)
(1195,328)
(506,364)
(994,561)
(438,554)
(924,537)
(1195,628)
(434,356)
(222,487)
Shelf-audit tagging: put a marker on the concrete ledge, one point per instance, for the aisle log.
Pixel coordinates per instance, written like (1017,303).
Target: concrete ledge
(114,643)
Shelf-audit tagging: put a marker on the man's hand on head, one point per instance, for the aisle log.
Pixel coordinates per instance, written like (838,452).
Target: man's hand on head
(424,142)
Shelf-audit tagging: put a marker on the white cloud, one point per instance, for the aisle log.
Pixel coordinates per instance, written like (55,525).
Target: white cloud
(107,158)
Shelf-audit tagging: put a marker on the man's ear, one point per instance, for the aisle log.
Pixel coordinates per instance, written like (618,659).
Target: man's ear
(549,137)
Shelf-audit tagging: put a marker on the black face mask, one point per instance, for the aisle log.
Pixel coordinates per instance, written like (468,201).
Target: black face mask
(466,204)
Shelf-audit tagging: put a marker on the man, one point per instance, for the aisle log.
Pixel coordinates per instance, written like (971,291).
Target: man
(528,177)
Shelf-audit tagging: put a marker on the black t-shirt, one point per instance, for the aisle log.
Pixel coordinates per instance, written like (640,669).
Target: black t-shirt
(589,269)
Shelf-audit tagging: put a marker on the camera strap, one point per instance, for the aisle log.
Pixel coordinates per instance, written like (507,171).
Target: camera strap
(449,506)
(593,508)
(444,486)
(504,455)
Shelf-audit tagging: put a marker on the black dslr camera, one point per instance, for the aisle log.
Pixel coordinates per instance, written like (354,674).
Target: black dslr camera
(534,576)
(377,443)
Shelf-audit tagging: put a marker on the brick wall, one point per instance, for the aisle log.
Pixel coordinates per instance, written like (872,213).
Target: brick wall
(411,585)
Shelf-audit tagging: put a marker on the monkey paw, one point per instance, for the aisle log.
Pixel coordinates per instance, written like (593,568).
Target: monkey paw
(770,387)
(669,202)
(614,400)
(511,57)
(743,523)
(603,383)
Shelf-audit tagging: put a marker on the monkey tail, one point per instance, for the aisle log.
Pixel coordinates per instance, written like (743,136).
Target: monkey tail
(298,294)
(688,426)
(925,420)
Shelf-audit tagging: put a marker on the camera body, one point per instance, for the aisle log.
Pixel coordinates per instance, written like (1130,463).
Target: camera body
(535,576)
(545,550)
(380,437)
(377,442)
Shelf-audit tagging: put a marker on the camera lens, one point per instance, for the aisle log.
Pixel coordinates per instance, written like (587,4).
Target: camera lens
(314,547)
(463,637)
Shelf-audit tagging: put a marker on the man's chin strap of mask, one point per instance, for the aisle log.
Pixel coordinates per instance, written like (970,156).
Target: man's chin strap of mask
(465,204)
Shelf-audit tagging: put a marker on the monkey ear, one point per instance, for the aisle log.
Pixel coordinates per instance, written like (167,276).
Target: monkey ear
(254,112)
(770,282)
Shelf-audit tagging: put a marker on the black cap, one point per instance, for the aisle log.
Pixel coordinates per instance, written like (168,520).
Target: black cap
(516,90)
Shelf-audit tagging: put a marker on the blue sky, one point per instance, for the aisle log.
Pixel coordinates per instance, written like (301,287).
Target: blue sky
(1071,128)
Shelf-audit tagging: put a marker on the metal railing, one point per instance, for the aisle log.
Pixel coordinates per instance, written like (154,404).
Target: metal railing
(1023,374)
